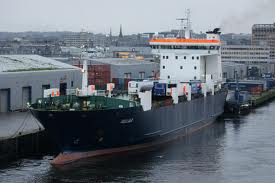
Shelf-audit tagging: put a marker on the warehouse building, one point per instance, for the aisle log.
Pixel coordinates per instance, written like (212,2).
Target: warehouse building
(104,70)
(23,78)
(130,68)
(98,74)
(233,70)
(139,53)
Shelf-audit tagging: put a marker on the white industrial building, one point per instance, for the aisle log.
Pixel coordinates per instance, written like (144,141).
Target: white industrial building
(233,70)
(23,78)
(246,54)
(250,55)
(77,39)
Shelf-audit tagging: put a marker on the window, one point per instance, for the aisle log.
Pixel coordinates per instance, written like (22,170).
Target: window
(198,58)
(127,75)
(168,77)
(141,75)
(163,57)
(45,87)
(181,67)
(177,57)
(167,57)
(195,67)
(193,58)
(184,57)
(72,83)
(172,86)
(195,77)
(163,67)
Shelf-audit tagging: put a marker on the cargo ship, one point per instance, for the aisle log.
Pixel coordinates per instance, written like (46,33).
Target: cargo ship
(187,96)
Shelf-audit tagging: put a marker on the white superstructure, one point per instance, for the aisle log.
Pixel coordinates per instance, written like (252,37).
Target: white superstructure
(187,59)
(187,67)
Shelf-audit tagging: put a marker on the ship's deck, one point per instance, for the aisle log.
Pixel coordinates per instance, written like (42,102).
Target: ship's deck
(81,103)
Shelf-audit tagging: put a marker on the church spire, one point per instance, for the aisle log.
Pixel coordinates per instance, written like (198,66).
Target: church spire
(120,32)
(110,34)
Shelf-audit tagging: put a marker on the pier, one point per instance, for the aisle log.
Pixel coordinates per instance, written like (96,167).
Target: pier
(264,97)
(21,135)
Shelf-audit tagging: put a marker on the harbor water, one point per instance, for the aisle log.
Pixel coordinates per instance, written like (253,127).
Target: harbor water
(231,150)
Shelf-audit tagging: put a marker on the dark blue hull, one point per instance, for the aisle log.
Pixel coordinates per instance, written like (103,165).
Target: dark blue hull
(121,129)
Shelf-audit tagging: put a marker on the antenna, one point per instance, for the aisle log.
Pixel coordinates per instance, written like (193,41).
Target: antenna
(185,25)
(181,31)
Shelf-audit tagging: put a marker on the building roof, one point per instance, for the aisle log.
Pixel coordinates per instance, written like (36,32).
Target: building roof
(144,50)
(184,41)
(263,25)
(245,46)
(20,63)
(121,61)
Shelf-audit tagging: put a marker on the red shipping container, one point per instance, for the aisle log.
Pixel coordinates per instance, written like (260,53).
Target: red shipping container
(126,81)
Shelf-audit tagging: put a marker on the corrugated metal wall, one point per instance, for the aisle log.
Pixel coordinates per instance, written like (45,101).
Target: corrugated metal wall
(16,81)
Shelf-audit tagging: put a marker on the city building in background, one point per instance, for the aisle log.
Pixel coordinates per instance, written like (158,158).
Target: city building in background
(232,70)
(25,77)
(246,54)
(139,53)
(264,34)
(77,39)
(256,58)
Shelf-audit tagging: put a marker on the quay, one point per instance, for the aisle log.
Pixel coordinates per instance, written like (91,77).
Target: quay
(21,135)
(262,98)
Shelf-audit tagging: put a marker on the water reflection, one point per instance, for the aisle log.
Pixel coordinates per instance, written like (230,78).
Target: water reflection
(199,152)
(230,150)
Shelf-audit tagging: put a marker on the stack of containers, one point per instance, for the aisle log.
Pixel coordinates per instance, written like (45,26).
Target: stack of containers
(98,75)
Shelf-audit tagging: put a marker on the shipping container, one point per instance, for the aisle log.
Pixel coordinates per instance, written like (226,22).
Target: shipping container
(159,89)
(245,86)
(126,81)
(270,84)
(98,74)
(195,87)
(267,75)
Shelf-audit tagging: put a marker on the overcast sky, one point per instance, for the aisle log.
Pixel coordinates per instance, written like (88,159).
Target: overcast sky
(134,15)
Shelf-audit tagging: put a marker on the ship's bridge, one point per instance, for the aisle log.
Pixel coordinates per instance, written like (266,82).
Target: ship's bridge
(181,43)
(189,59)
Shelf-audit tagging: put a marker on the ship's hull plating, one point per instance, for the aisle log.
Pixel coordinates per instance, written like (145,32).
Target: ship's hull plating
(81,134)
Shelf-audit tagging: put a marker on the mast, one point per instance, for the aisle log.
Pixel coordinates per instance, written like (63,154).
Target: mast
(181,31)
(84,77)
(188,25)
(185,28)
